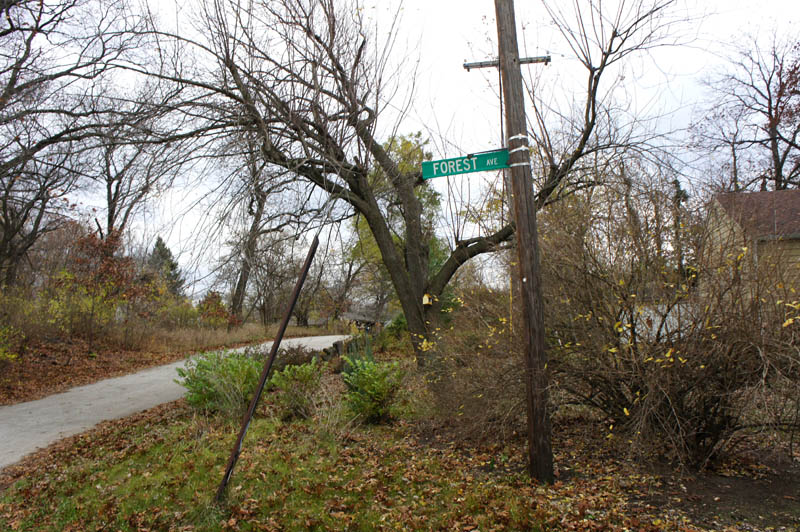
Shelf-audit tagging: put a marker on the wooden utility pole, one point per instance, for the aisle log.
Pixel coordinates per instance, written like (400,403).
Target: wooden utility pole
(495,63)
(540,453)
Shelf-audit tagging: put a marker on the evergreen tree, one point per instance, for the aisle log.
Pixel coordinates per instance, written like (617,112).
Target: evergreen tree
(164,264)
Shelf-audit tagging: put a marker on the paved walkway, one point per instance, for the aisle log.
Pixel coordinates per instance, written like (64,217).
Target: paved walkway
(26,427)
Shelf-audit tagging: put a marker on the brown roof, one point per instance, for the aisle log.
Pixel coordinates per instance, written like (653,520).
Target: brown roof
(764,214)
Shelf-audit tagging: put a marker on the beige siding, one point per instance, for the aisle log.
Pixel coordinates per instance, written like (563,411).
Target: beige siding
(763,269)
(725,239)
(780,260)
(727,254)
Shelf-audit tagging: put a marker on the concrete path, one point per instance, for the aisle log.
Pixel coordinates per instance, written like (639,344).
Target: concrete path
(26,427)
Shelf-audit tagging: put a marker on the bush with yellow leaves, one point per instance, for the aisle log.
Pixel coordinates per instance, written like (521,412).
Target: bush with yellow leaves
(683,347)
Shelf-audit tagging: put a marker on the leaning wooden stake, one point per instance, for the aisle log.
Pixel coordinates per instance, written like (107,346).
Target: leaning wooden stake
(540,454)
(265,372)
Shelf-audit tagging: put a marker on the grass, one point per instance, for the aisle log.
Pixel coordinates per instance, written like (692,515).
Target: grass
(290,476)
(196,339)
(160,470)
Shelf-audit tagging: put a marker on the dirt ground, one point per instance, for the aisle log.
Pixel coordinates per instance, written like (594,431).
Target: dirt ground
(757,490)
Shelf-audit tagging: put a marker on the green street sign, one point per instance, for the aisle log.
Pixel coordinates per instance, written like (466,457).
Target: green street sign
(479,162)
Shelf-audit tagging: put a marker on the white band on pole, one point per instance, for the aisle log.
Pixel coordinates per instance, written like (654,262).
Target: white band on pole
(519,164)
(520,148)
(518,137)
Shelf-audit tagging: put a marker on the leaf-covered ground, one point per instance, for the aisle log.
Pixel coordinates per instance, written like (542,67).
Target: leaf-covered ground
(159,470)
(49,367)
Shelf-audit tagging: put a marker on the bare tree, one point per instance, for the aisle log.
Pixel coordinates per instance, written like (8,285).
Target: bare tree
(304,78)
(132,163)
(262,222)
(271,277)
(755,115)
(570,139)
(343,278)
(309,81)
(255,208)
(54,58)
(255,203)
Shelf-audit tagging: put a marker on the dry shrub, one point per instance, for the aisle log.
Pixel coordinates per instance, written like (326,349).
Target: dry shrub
(332,418)
(147,335)
(26,314)
(481,387)
(79,285)
(197,339)
(295,355)
(681,359)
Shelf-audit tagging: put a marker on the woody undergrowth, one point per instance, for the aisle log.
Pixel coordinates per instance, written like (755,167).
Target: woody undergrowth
(683,355)
(678,363)
(325,470)
(480,396)
(319,467)
(101,296)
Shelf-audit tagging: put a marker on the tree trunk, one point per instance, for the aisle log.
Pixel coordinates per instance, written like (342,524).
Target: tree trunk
(302,319)
(248,255)
(777,163)
(9,272)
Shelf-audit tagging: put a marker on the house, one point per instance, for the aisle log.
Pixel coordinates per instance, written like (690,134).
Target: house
(756,235)
(750,266)
(366,317)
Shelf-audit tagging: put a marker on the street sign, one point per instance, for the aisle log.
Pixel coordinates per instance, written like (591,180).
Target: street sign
(479,162)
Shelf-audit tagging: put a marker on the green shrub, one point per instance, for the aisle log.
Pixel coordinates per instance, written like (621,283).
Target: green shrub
(213,313)
(78,307)
(25,314)
(394,338)
(372,388)
(221,382)
(398,326)
(297,387)
(177,312)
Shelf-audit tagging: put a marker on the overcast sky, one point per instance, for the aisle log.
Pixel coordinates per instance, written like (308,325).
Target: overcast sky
(463,106)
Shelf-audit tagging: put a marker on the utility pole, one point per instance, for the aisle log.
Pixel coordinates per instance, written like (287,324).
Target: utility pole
(540,453)
(495,63)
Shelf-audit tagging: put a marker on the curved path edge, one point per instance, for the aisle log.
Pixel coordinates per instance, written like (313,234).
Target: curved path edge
(26,427)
